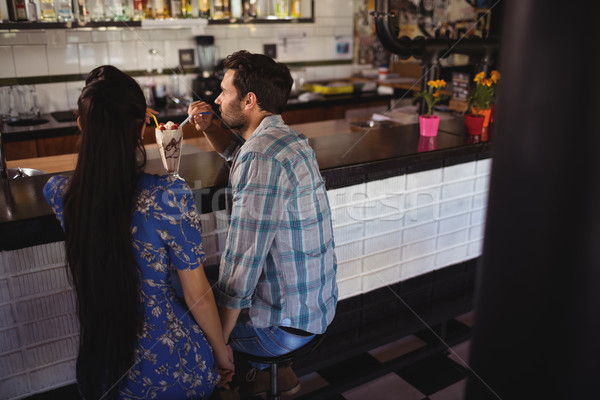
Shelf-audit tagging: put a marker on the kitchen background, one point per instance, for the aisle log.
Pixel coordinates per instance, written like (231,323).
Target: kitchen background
(340,42)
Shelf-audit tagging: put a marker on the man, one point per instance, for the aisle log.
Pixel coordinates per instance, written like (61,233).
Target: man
(277,279)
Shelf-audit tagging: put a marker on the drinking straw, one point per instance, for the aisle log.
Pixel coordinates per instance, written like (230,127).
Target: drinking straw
(155,120)
(185,121)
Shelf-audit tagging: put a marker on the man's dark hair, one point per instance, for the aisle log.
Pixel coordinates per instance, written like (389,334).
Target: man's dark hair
(270,81)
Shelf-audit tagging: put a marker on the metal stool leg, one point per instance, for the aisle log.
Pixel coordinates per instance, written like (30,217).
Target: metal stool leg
(274,392)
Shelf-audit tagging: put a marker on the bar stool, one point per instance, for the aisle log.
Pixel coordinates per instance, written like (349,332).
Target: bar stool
(278,361)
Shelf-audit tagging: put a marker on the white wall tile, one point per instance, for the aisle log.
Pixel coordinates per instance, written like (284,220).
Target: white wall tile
(30,60)
(380,226)
(381,260)
(392,240)
(417,267)
(146,60)
(381,278)
(228,46)
(7,64)
(348,252)
(135,35)
(253,45)
(52,97)
(478,217)
(106,36)
(459,171)
(480,200)
(36,38)
(348,233)
(451,256)
(63,60)
(475,249)
(79,36)
(386,187)
(476,232)
(92,55)
(349,287)
(56,37)
(122,55)
(424,179)
(457,189)
(484,166)
(171,56)
(482,184)
(162,34)
(456,206)
(452,239)
(420,232)
(349,269)
(418,249)
(13,38)
(454,223)
(73,92)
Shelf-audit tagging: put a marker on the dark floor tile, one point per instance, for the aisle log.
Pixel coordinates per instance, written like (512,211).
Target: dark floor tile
(432,374)
(348,369)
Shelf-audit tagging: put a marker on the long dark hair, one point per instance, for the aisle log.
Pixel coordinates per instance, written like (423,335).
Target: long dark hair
(270,81)
(97,214)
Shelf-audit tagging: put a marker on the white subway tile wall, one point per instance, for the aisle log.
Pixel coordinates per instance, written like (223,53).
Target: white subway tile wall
(60,52)
(378,243)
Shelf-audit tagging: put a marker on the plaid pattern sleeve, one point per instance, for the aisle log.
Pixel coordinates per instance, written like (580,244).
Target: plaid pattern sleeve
(279,257)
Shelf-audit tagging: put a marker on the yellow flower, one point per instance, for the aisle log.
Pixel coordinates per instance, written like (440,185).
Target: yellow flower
(495,76)
(479,77)
(433,96)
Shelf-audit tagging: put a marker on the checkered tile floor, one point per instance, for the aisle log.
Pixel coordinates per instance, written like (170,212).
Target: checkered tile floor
(441,376)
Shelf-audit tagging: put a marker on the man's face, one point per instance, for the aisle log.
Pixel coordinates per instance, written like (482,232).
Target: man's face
(229,104)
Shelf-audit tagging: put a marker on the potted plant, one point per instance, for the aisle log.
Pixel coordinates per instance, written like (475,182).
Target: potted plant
(482,97)
(428,123)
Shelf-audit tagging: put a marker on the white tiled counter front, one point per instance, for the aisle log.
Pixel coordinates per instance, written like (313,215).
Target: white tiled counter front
(386,231)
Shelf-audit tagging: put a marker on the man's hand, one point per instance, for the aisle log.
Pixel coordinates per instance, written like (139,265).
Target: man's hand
(202,115)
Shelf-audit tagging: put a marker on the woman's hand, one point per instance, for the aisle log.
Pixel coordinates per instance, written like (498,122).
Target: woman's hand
(225,367)
(149,115)
(202,115)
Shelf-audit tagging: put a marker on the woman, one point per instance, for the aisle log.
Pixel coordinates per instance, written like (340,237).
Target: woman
(125,232)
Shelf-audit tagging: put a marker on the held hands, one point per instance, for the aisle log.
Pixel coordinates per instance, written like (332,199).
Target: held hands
(201,113)
(225,367)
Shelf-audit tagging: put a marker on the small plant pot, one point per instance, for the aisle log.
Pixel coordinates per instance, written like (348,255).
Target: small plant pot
(428,125)
(474,124)
(486,112)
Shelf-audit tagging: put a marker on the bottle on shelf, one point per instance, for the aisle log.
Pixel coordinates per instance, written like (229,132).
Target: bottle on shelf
(186,9)
(95,11)
(236,9)
(295,8)
(47,11)
(17,10)
(281,8)
(249,7)
(160,9)
(32,11)
(203,9)
(64,11)
(139,12)
(118,10)
(175,8)
(220,9)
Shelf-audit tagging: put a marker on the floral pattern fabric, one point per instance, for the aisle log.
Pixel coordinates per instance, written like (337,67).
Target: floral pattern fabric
(173,359)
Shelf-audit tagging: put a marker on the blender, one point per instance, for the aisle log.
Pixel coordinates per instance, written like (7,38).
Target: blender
(207,85)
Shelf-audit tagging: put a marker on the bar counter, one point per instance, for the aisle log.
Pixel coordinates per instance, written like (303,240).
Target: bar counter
(408,218)
(346,155)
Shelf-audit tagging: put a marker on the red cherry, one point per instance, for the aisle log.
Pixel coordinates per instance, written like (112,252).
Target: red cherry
(162,128)
(175,126)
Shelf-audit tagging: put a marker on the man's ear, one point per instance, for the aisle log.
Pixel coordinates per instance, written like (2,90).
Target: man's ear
(250,101)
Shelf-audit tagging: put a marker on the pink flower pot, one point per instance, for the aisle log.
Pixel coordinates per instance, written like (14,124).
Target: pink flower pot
(474,124)
(428,125)
(427,144)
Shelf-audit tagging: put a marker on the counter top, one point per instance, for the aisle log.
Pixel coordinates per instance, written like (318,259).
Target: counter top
(346,157)
(55,128)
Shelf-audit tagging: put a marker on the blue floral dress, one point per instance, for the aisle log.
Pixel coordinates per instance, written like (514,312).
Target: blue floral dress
(173,359)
